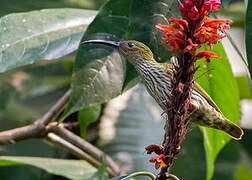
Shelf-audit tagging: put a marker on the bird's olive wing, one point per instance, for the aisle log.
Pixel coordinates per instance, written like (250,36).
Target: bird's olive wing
(201,91)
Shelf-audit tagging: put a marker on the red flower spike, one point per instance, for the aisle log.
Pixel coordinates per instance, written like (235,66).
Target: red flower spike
(207,55)
(193,14)
(196,9)
(207,35)
(181,87)
(158,160)
(188,4)
(180,24)
(170,31)
(210,5)
(182,8)
(174,43)
(165,28)
(213,4)
(153,148)
(186,37)
(174,33)
(220,24)
(210,30)
(191,47)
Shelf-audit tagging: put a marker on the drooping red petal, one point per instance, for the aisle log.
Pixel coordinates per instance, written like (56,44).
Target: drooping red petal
(158,160)
(207,55)
(220,24)
(180,24)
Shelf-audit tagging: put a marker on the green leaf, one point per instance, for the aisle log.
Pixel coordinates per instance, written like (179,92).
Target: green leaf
(249,35)
(220,84)
(138,125)
(45,34)
(87,116)
(30,5)
(234,160)
(243,173)
(98,70)
(72,169)
(244,88)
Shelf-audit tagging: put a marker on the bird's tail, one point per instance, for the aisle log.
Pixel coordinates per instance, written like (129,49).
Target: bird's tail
(228,127)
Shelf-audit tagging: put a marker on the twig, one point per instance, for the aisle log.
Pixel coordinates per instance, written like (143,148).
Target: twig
(71,148)
(76,151)
(18,134)
(44,127)
(54,112)
(37,129)
(85,146)
(78,144)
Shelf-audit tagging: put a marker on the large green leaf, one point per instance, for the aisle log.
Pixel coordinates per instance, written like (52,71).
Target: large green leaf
(46,34)
(98,70)
(138,125)
(249,35)
(30,5)
(243,173)
(244,88)
(72,169)
(220,84)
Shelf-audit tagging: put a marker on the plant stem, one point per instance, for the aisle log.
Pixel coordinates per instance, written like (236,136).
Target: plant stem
(57,133)
(85,146)
(142,173)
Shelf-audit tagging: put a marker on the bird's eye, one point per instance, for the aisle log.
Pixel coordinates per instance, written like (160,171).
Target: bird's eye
(131,44)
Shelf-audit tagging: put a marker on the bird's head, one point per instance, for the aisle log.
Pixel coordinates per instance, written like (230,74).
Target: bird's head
(136,52)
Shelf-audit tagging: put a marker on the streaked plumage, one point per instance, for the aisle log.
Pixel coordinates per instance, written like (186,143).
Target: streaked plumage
(157,79)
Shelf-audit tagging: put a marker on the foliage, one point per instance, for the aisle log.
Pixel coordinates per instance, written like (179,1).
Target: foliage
(217,72)
(46,34)
(248,35)
(73,169)
(98,75)
(87,116)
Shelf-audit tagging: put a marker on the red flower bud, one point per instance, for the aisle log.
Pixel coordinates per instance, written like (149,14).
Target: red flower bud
(193,14)
(153,148)
(188,4)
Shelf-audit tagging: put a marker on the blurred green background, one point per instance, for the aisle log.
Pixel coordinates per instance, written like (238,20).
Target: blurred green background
(28,92)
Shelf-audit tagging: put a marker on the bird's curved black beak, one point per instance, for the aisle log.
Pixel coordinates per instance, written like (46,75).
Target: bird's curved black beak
(109,43)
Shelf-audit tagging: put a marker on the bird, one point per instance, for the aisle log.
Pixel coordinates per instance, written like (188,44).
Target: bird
(157,79)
